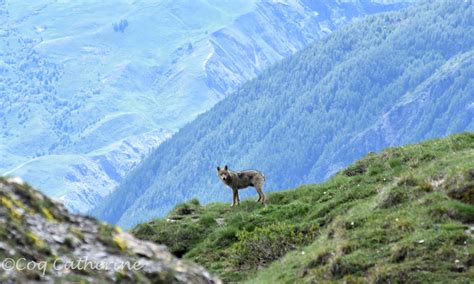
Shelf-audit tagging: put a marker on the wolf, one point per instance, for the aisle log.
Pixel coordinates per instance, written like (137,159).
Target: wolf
(240,180)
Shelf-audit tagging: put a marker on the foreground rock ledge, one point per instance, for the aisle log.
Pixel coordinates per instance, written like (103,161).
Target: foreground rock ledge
(58,246)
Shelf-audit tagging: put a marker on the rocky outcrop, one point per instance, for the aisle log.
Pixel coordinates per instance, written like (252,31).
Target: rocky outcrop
(44,242)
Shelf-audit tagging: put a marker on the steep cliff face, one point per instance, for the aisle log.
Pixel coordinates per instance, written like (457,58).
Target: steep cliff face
(274,30)
(78,77)
(41,241)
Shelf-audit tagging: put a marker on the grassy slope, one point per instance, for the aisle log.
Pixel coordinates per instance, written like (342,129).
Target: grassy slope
(405,214)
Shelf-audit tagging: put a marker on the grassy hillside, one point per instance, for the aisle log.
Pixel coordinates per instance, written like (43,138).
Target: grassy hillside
(402,215)
(386,80)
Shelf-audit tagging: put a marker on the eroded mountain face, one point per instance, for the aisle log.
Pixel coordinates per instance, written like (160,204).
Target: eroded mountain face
(87,90)
(38,232)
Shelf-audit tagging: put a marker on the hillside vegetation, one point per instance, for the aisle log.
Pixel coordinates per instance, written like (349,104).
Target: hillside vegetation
(405,215)
(386,80)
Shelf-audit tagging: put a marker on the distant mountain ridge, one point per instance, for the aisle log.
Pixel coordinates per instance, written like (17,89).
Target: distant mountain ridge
(80,78)
(384,81)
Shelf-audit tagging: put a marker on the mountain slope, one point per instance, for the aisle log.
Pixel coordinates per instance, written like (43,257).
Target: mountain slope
(82,181)
(81,77)
(59,247)
(386,80)
(405,215)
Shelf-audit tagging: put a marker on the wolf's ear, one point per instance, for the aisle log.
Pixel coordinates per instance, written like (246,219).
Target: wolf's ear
(218,169)
(226,168)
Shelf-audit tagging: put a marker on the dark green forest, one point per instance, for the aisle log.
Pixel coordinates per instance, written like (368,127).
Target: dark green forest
(386,80)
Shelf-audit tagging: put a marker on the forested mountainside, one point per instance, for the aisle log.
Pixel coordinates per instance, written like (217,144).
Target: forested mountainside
(404,215)
(88,88)
(387,80)
(41,242)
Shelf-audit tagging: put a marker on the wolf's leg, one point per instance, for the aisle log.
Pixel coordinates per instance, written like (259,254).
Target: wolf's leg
(235,196)
(258,187)
(263,196)
(259,195)
(238,199)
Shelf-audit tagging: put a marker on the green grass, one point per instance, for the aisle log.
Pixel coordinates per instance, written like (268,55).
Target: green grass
(402,215)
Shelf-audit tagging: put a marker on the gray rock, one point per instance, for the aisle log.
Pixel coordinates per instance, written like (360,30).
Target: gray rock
(80,246)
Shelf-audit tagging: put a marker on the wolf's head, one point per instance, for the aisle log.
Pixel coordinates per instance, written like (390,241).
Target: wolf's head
(224,174)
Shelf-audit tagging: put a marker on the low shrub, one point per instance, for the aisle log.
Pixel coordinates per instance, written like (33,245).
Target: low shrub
(225,237)
(354,170)
(266,244)
(393,197)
